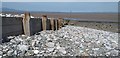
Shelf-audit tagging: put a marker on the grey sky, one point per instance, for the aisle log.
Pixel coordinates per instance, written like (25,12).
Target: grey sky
(60,0)
(63,6)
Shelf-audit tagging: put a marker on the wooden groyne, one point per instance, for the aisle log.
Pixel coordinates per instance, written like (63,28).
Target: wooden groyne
(12,26)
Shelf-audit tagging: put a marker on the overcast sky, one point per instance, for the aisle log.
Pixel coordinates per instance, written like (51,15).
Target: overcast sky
(63,6)
(60,0)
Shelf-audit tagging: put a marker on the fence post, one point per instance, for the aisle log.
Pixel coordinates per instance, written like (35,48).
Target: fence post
(60,23)
(52,23)
(44,19)
(56,24)
(26,24)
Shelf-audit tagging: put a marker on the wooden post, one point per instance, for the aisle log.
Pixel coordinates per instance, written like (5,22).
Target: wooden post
(44,19)
(56,24)
(60,23)
(52,23)
(26,25)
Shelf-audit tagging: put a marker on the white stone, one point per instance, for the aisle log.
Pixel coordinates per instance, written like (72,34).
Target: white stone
(23,35)
(49,39)
(95,49)
(28,37)
(64,52)
(108,47)
(1,52)
(82,40)
(58,47)
(33,42)
(9,53)
(23,47)
(42,51)
(15,52)
(50,49)
(39,38)
(12,41)
(81,51)
(50,44)
(10,37)
(36,51)
(0,56)
(76,42)
(81,46)
(87,49)
(71,40)
(62,49)
(108,53)
(98,42)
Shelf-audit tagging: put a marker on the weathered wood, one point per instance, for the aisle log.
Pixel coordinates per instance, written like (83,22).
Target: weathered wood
(26,24)
(56,24)
(35,25)
(60,23)
(44,19)
(52,23)
(1,30)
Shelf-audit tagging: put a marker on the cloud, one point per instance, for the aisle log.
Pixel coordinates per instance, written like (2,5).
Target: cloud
(60,0)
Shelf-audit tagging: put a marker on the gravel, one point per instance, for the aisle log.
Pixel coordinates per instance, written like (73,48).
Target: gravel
(68,41)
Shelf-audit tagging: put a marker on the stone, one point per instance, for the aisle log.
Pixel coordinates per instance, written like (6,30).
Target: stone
(39,38)
(50,49)
(85,54)
(67,41)
(15,52)
(0,56)
(4,55)
(1,53)
(29,53)
(10,52)
(42,51)
(50,44)
(82,40)
(95,49)
(58,47)
(81,46)
(107,53)
(62,50)
(76,42)
(114,53)
(81,51)
(71,40)
(23,47)
(98,42)
(28,37)
(12,41)
(10,37)
(22,35)
(33,42)
(5,50)
(36,51)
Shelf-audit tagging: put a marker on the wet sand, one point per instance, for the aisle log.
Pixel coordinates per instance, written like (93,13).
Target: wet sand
(106,26)
(103,17)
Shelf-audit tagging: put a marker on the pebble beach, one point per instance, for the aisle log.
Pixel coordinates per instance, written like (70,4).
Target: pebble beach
(68,41)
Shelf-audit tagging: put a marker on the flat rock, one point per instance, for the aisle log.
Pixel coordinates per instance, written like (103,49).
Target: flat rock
(50,44)
(62,50)
(23,47)
(36,51)
(50,49)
